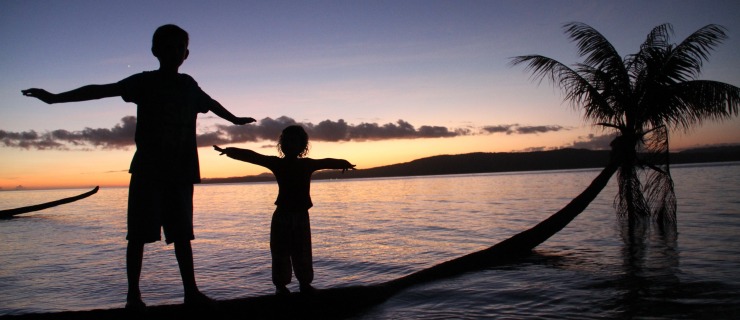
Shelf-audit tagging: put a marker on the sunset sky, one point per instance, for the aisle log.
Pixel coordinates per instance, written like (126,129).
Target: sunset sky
(408,79)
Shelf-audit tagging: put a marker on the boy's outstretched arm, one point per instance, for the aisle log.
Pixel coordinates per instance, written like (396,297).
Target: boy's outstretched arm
(220,111)
(89,92)
(348,166)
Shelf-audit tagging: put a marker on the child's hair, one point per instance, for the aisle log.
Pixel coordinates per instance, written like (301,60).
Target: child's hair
(298,135)
(169,31)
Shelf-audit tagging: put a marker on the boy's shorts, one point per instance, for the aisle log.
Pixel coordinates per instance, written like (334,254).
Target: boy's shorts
(154,205)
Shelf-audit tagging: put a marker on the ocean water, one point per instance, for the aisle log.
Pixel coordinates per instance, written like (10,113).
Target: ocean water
(368,231)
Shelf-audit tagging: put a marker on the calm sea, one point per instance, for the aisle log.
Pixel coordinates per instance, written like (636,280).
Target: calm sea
(372,230)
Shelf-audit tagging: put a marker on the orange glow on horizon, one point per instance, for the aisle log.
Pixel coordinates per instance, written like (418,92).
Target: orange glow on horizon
(46,169)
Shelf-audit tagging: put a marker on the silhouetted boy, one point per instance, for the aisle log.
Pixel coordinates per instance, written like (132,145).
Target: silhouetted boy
(165,165)
(290,231)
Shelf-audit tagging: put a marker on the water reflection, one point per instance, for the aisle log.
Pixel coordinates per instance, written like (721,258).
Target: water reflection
(649,281)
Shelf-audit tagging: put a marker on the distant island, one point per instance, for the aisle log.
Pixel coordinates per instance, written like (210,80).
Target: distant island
(482,162)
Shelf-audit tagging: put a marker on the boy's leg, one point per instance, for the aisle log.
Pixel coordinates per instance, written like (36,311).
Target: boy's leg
(134,258)
(184,255)
(143,224)
(193,296)
(178,229)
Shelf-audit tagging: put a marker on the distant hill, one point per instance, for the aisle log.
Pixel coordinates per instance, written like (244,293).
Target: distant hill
(481,162)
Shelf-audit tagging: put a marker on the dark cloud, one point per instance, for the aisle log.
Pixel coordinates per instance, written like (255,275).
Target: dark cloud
(121,136)
(535,149)
(328,130)
(538,129)
(436,131)
(504,128)
(518,129)
(594,142)
(269,129)
(266,129)
(211,138)
(29,140)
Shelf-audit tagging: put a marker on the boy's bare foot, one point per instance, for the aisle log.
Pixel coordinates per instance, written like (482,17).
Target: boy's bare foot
(199,300)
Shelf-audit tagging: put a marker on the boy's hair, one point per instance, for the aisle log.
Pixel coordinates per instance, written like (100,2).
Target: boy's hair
(294,132)
(169,31)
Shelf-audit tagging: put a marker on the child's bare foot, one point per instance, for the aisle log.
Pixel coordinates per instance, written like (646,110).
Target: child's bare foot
(307,288)
(282,291)
(135,304)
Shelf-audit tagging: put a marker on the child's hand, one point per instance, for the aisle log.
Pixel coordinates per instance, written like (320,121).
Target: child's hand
(223,151)
(40,94)
(243,120)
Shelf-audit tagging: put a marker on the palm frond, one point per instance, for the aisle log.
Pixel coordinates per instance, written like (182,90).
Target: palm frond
(699,100)
(578,90)
(630,202)
(686,59)
(658,37)
(543,68)
(599,52)
(659,191)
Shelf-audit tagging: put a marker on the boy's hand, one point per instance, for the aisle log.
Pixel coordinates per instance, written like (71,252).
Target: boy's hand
(40,94)
(350,167)
(243,120)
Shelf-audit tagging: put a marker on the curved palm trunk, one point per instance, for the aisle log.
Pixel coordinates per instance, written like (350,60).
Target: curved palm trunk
(4,214)
(516,246)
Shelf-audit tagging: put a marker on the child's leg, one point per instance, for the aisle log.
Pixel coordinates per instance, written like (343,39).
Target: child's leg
(280,248)
(301,249)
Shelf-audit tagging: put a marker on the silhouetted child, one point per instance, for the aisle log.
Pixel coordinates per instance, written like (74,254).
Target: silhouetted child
(290,231)
(165,165)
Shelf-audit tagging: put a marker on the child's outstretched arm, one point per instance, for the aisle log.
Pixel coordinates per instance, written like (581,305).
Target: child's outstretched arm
(220,111)
(245,155)
(89,92)
(330,163)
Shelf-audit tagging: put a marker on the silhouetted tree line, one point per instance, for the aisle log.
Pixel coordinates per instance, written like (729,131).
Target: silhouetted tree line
(481,162)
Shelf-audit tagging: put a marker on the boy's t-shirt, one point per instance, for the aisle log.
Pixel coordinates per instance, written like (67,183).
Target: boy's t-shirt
(167,109)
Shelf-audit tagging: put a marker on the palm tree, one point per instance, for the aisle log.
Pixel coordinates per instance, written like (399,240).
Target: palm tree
(641,97)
